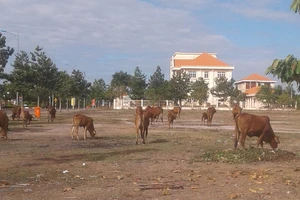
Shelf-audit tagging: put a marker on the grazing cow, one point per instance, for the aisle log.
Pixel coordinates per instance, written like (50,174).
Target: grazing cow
(85,122)
(210,113)
(155,113)
(142,119)
(254,125)
(3,124)
(51,113)
(16,111)
(177,111)
(204,117)
(171,117)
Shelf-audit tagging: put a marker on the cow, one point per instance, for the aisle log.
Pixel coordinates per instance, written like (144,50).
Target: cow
(177,111)
(204,117)
(155,113)
(16,111)
(25,116)
(210,113)
(51,113)
(4,124)
(171,117)
(254,125)
(87,123)
(142,120)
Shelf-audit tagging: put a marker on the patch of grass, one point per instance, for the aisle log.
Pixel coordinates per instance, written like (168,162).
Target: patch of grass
(243,156)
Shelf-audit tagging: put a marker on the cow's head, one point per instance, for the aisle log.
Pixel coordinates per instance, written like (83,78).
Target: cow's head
(236,110)
(93,134)
(274,143)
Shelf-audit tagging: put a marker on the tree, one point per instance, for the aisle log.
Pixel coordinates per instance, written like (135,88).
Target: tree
(223,88)
(199,90)
(266,95)
(179,86)
(157,86)
(5,53)
(80,88)
(237,96)
(295,6)
(138,85)
(98,89)
(119,84)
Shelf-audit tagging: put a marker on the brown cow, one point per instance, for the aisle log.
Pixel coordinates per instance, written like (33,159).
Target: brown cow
(155,113)
(171,117)
(25,116)
(51,113)
(4,124)
(142,119)
(16,111)
(204,117)
(254,125)
(210,113)
(85,122)
(177,111)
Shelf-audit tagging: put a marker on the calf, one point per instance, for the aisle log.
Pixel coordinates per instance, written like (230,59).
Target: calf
(4,124)
(204,117)
(254,125)
(155,113)
(16,111)
(142,120)
(171,117)
(51,113)
(85,122)
(210,113)
(25,116)
(177,111)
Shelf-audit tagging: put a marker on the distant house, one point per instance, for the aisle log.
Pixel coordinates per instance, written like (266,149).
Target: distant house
(251,85)
(205,65)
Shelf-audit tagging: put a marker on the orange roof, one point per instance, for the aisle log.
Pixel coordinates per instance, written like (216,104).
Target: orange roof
(256,77)
(203,60)
(253,90)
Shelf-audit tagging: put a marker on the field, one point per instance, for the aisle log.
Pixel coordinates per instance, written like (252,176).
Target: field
(190,161)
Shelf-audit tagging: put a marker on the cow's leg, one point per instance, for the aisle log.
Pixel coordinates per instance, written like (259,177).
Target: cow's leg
(260,139)
(72,131)
(77,129)
(243,136)
(143,135)
(236,140)
(85,133)
(137,135)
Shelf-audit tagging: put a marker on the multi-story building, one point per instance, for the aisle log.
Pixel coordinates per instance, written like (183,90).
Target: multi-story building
(205,65)
(251,85)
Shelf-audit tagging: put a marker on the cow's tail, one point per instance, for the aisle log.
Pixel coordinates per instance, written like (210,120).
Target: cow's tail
(237,132)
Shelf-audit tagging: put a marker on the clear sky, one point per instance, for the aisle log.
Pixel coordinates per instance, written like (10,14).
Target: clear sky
(101,37)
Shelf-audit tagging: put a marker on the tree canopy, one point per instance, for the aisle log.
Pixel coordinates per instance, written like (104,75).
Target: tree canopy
(295,6)
(5,53)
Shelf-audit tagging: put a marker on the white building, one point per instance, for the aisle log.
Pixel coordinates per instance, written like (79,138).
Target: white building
(205,65)
(251,85)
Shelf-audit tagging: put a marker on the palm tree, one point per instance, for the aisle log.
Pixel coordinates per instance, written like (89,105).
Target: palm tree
(295,6)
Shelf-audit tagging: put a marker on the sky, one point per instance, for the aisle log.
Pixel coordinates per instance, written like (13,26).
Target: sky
(101,37)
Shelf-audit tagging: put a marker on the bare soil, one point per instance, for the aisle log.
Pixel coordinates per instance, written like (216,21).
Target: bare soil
(190,161)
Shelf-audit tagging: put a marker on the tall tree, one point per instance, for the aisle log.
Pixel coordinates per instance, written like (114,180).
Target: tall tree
(157,85)
(237,96)
(295,6)
(80,88)
(119,85)
(199,91)
(5,53)
(179,86)
(138,85)
(224,88)
(98,89)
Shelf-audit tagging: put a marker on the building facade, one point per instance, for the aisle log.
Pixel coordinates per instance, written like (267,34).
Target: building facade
(205,65)
(251,85)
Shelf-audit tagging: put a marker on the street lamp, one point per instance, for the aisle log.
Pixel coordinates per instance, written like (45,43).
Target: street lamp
(16,35)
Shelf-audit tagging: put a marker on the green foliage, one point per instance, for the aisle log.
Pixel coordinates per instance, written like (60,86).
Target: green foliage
(5,53)
(295,6)
(179,86)
(266,94)
(98,89)
(138,85)
(119,85)
(287,70)
(80,88)
(237,96)
(199,90)
(157,86)
(223,88)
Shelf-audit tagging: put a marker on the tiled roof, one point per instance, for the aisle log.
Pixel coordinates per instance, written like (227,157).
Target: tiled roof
(202,60)
(253,91)
(256,77)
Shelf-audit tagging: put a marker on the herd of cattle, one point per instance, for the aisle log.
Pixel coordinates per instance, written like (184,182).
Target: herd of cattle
(245,124)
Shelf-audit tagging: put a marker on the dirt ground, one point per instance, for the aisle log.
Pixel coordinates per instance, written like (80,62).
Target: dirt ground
(43,162)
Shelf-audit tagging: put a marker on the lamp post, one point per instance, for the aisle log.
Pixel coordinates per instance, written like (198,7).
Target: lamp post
(16,35)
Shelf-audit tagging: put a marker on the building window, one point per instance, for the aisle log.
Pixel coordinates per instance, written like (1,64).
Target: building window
(205,74)
(221,74)
(192,74)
